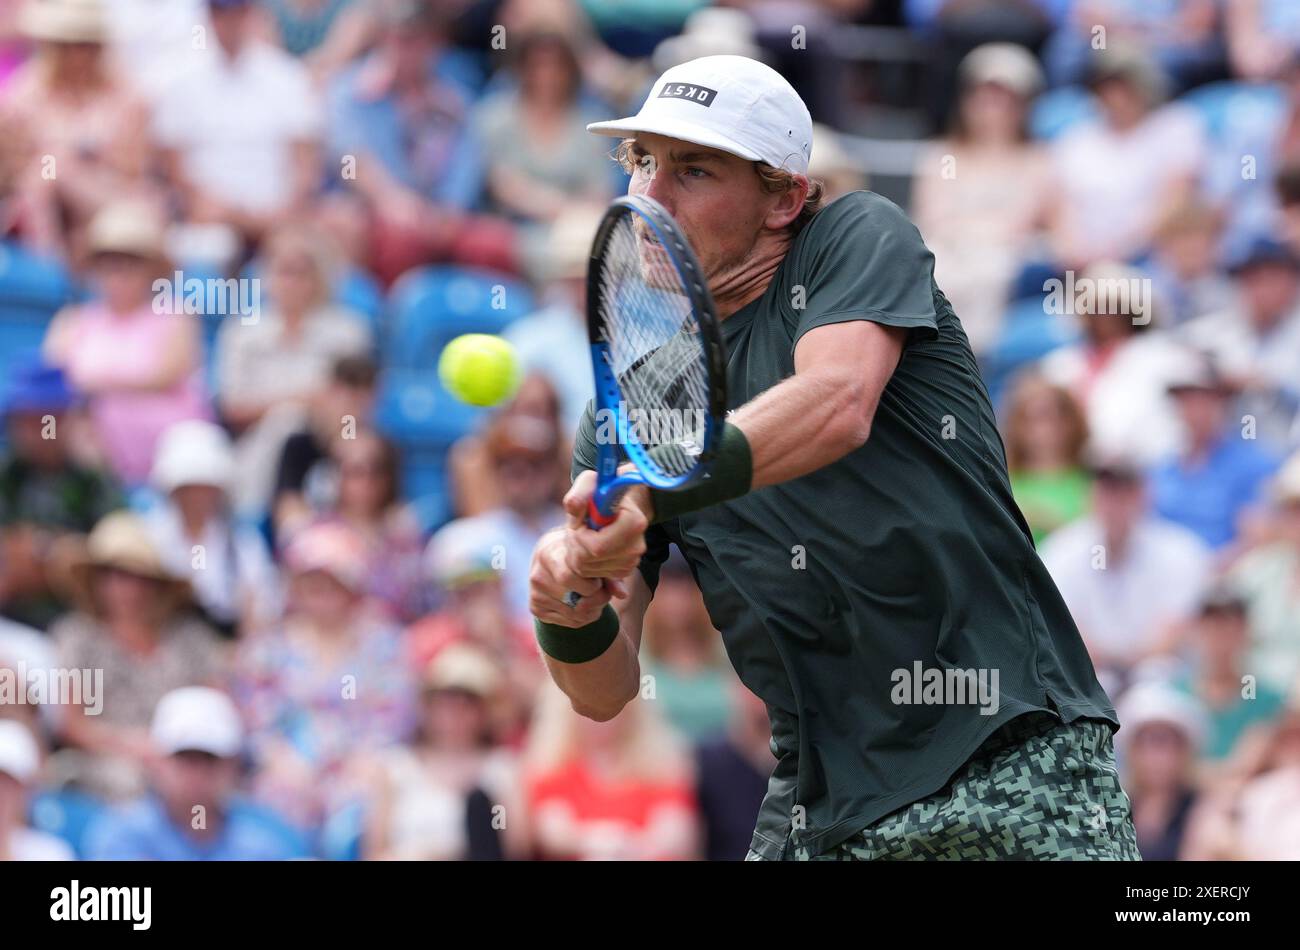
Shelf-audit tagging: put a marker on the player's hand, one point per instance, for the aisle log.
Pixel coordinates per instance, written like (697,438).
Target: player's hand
(615,550)
(550,579)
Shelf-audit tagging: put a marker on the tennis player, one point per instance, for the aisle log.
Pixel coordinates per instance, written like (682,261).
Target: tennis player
(856,543)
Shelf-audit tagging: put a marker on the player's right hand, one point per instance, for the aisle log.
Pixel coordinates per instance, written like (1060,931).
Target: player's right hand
(550,578)
(616,549)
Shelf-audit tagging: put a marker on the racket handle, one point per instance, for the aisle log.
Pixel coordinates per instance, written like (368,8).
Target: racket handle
(596,519)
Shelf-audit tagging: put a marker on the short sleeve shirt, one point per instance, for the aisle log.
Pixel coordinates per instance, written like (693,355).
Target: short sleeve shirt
(889,608)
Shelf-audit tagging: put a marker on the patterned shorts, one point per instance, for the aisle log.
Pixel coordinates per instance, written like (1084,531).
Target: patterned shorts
(1036,790)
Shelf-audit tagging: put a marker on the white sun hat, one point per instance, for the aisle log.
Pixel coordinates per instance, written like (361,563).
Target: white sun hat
(732,103)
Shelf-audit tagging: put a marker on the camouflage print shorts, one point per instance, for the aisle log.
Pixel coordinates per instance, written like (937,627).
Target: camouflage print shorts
(1036,790)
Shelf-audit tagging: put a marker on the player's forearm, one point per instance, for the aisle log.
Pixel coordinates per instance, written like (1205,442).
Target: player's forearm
(600,688)
(802,424)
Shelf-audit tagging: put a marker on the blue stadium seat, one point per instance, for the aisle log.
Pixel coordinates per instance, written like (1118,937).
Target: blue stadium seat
(1219,101)
(413,408)
(431,305)
(66,814)
(1028,335)
(1055,111)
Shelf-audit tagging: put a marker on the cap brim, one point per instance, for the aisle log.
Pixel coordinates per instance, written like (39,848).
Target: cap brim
(674,129)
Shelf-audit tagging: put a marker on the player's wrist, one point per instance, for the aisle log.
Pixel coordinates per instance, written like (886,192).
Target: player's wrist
(730,476)
(578,644)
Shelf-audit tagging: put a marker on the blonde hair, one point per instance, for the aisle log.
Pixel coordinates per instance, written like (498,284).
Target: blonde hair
(647,748)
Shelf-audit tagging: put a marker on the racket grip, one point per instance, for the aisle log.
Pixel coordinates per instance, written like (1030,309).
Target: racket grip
(596,520)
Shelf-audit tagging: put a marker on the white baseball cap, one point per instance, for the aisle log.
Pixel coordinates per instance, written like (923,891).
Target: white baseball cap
(19,756)
(732,103)
(193,452)
(197,719)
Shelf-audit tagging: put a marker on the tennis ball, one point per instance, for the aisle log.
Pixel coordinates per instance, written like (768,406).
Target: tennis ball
(479,368)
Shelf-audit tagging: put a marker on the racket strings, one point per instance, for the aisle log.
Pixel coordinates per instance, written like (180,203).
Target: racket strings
(655,348)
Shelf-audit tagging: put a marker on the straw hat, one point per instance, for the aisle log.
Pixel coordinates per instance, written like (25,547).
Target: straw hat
(63,21)
(462,667)
(128,227)
(121,541)
(1004,64)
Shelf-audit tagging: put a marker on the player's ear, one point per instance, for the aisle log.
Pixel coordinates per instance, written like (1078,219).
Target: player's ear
(788,204)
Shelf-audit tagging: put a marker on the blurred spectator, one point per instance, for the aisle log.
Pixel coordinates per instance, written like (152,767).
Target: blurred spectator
(1119,174)
(540,157)
(1128,577)
(306,479)
(193,812)
(270,370)
(1233,702)
(399,122)
(85,127)
(328,682)
(1162,731)
(20,763)
(1262,35)
(1183,264)
(369,502)
(1268,578)
(133,626)
(153,43)
(48,500)
(1256,343)
(286,355)
(137,364)
(228,565)
(951,29)
(1182,37)
(732,772)
(1045,434)
(451,795)
(1268,808)
(682,654)
(241,128)
(1217,474)
(1258,141)
(1119,369)
(531,418)
(982,191)
(552,341)
(460,562)
(829,162)
(27,649)
(616,790)
(521,454)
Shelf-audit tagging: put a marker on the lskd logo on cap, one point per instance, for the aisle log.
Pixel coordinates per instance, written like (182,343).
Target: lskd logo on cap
(701,94)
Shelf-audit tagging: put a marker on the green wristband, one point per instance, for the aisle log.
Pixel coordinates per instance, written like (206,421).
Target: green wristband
(578,644)
(730,476)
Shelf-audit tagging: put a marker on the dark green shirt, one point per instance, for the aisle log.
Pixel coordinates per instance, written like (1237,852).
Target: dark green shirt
(842,595)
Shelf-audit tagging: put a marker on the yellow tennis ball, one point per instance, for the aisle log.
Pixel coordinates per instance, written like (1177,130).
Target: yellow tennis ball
(479,368)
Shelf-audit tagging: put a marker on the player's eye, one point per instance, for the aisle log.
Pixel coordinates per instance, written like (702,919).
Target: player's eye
(694,171)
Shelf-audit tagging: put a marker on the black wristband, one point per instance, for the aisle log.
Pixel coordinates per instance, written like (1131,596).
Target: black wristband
(578,644)
(730,476)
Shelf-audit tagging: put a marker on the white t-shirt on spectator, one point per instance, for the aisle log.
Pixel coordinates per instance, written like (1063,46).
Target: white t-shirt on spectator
(1113,183)
(151,39)
(233,121)
(1124,606)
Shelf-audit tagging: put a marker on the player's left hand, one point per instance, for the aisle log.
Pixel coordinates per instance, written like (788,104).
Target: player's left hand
(615,550)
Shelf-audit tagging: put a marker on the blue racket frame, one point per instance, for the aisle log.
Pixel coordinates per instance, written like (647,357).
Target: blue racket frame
(610,485)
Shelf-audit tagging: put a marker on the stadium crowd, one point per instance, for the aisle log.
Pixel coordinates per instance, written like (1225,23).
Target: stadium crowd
(297,568)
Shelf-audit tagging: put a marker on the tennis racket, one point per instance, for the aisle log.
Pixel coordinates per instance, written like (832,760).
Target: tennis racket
(657,355)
